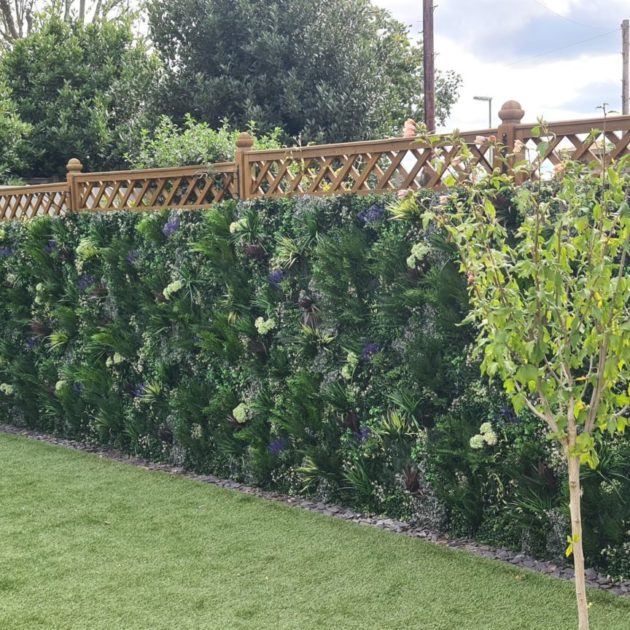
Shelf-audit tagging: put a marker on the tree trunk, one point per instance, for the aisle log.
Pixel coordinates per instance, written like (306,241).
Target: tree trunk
(576,531)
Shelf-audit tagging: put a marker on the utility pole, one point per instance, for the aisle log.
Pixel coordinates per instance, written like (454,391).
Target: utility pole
(625,51)
(428,50)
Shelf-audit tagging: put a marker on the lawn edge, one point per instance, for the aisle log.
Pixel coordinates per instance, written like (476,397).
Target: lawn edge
(594,580)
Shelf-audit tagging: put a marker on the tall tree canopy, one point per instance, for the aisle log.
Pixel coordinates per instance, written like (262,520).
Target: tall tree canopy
(83,88)
(325,71)
(18,18)
(13,137)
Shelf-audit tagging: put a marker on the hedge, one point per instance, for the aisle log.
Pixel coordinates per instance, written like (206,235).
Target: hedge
(312,346)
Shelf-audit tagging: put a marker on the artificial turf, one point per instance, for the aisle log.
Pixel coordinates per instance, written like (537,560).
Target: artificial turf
(86,542)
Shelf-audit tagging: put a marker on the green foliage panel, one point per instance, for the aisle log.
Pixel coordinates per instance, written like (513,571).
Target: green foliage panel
(306,345)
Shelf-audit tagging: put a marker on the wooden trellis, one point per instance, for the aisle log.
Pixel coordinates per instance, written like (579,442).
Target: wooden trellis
(187,188)
(362,168)
(26,202)
(381,166)
(596,139)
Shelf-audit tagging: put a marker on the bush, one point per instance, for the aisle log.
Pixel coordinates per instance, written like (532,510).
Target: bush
(170,145)
(304,345)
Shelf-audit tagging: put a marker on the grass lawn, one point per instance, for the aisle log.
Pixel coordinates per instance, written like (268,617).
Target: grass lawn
(90,543)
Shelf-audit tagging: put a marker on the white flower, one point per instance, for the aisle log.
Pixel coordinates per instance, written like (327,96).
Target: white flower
(490,438)
(118,358)
(240,413)
(86,249)
(352,360)
(172,288)
(263,326)
(237,226)
(196,432)
(6,389)
(486,427)
(60,385)
(519,146)
(480,139)
(418,252)
(476,442)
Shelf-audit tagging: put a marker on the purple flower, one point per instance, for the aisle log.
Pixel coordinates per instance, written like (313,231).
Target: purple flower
(508,414)
(171,226)
(78,389)
(139,390)
(369,350)
(132,256)
(32,342)
(85,281)
(362,434)
(275,277)
(375,213)
(5,252)
(51,247)
(277,446)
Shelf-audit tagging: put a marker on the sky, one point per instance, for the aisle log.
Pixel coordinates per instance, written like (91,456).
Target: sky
(560,59)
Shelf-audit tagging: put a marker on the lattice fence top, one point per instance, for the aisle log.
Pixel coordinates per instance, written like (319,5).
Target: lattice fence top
(381,166)
(27,202)
(598,139)
(185,188)
(363,168)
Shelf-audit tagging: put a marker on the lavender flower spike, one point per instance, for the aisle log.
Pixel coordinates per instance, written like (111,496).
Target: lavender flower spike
(171,226)
(277,446)
(369,350)
(275,277)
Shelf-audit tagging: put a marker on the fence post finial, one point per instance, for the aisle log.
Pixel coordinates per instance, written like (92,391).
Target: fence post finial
(74,167)
(511,115)
(244,144)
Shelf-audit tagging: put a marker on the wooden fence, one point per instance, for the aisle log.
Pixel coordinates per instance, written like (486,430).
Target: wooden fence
(381,166)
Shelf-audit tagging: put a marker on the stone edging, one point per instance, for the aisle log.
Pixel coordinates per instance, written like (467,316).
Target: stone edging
(594,579)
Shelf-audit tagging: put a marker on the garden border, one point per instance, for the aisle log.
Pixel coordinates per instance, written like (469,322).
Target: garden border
(594,579)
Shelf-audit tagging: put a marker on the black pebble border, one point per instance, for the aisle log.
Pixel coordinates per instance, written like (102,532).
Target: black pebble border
(594,579)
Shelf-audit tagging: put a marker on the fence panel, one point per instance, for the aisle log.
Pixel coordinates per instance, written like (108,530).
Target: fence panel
(153,189)
(381,166)
(27,202)
(596,139)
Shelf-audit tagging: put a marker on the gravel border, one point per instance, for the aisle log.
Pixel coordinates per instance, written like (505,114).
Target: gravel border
(594,579)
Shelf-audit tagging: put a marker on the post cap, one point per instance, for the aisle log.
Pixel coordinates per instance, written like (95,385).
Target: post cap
(511,112)
(244,141)
(74,166)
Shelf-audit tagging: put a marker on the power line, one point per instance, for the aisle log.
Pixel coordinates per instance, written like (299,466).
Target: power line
(564,17)
(553,50)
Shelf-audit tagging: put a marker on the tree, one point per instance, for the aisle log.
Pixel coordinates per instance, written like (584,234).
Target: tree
(18,19)
(325,71)
(14,134)
(83,88)
(550,300)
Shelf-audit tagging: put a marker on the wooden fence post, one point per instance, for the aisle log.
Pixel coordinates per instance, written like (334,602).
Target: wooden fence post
(74,167)
(244,144)
(511,115)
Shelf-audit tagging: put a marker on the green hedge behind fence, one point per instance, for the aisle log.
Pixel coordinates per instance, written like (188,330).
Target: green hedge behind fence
(307,345)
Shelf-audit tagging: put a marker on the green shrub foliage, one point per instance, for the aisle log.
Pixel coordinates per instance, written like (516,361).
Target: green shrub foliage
(306,345)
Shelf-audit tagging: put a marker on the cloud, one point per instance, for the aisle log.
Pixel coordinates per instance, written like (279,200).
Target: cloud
(527,51)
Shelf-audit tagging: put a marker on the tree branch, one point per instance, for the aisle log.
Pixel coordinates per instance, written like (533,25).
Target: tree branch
(7,16)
